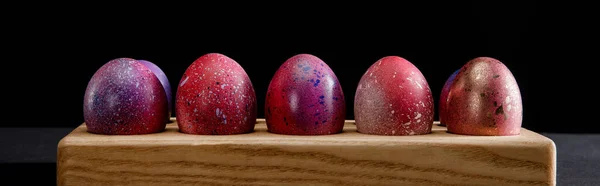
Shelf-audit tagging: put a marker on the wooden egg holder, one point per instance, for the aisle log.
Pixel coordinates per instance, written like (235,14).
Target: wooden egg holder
(263,158)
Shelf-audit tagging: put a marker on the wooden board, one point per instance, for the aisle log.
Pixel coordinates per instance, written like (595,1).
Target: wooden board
(263,158)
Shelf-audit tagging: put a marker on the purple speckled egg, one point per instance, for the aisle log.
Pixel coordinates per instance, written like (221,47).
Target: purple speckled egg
(162,77)
(305,98)
(124,97)
(484,100)
(393,98)
(444,97)
(215,97)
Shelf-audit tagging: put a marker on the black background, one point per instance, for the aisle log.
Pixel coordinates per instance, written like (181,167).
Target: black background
(54,55)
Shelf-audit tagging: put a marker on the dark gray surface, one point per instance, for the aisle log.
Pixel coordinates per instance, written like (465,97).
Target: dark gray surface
(578,158)
(27,151)
(30,145)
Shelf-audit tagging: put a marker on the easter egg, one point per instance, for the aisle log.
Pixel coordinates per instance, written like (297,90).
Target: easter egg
(162,77)
(215,97)
(305,98)
(393,98)
(484,100)
(124,97)
(444,97)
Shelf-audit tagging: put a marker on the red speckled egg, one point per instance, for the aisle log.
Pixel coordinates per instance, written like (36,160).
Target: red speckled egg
(124,97)
(444,97)
(484,100)
(305,98)
(393,98)
(215,96)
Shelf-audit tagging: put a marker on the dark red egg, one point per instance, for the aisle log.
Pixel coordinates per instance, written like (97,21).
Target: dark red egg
(444,97)
(124,97)
(484,100)
(393,98)
(305,98)
(215,97)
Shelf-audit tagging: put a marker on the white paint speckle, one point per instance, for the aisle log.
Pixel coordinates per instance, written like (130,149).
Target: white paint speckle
(507,100)
(418,115)
(371,74)
(393,131)
(418,121)
(218,112)
(393,111)
(411,133)
(407,123)
(390,104)
(509,107)
(419,84)
(195,109)
(223,85)
(184,80)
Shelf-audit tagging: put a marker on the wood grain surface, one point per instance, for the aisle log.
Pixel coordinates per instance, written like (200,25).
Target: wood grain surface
(263,158)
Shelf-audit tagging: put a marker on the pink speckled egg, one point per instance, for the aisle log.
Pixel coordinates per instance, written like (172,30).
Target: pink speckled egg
(215,97)
(484,100)
(444,97)
(124,97)
(393,98)
(305,98)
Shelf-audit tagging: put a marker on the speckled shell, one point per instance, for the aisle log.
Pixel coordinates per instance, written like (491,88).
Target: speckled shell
(162,77)
(305,98)
(393,98)
(215,97)
(124,97)
(444,97)
(484,100)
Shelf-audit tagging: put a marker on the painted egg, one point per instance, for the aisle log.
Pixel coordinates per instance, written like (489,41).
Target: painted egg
(393,98)
(305,98)
(444,97)
(215,97)
(124,97)
(162,77)
(484,100)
